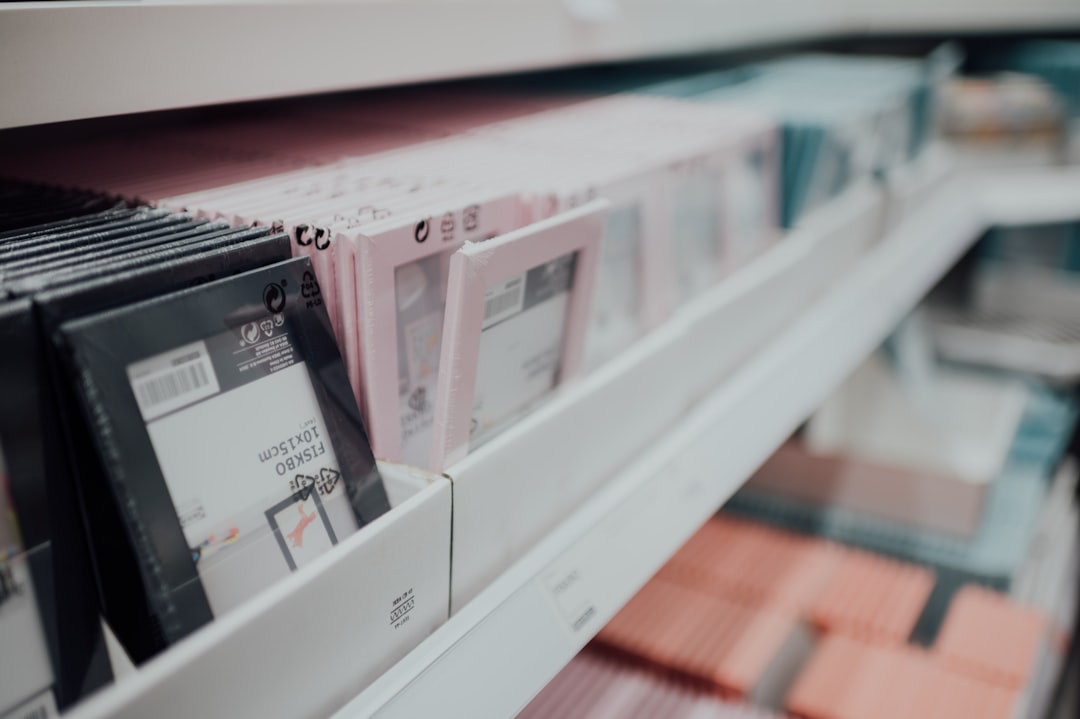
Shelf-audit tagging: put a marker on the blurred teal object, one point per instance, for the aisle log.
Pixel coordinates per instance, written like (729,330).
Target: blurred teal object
(1057,62)
(842,117)
(996,552)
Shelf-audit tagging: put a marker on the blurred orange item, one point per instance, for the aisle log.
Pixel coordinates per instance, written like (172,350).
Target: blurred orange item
(700,636)
(850,679)
(990,637)
(754,564)
(873,598)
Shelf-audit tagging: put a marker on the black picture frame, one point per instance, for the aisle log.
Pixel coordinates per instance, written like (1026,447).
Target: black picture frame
(100,348)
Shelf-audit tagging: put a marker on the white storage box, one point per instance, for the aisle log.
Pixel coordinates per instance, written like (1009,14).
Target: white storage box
(311,642)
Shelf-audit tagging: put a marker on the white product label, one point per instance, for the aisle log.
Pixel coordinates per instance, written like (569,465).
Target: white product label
(503,300)
(521,349)
(568,590)
(401,608)
(223,456)
(250,467)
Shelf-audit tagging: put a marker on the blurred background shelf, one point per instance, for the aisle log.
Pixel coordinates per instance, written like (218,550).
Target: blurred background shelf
(544,609)
(109,58)
(546,546)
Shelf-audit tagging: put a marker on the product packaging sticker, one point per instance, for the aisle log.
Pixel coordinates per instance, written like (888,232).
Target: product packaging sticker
(223,417)
(26,682)
(516,316)
(402,268)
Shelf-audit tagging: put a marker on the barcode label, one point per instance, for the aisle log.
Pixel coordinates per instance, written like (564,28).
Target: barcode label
(172,380)
(172,385)
(503,300)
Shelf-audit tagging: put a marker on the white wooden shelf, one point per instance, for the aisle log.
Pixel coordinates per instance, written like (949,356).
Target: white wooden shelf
(525,610)
(74,60)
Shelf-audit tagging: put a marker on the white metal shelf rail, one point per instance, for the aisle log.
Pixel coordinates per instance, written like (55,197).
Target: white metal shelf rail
(73,60)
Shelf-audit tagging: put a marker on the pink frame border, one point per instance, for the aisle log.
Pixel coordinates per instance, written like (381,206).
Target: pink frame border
(377,253)
(476,267)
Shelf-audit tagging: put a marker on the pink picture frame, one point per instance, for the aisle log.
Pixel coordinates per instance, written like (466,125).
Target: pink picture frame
(374,256)
(478,266)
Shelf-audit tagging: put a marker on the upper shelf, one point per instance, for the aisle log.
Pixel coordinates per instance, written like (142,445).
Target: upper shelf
(74,60)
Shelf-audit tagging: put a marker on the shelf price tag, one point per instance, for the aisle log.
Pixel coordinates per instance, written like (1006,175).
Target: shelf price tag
(567,588)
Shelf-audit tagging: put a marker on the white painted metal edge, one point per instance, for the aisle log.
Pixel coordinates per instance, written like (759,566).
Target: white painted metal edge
(75,60)
(1028,196)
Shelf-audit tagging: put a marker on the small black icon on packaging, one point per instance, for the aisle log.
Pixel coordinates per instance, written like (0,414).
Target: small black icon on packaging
(300,234)
(423,229)
(309,286)
(274,298)
(471,218)
(418,400)
(250,333)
